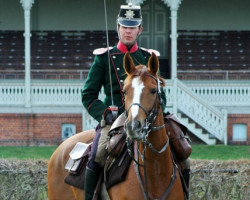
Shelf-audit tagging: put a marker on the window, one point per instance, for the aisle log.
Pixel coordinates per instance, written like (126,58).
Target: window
(239,132)
(68,130)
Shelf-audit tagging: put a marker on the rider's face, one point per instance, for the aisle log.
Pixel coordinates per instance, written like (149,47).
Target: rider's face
(128,35)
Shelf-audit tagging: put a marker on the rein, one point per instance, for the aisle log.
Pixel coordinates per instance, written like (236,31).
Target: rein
(145,132)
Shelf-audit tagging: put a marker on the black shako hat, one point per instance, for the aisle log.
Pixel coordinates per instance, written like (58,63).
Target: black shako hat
(129,16)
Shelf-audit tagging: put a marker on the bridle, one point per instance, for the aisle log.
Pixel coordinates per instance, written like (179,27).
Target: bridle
(149,121)
(150,118)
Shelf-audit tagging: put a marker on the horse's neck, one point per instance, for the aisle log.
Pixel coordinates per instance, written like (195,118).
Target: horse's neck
(159,166)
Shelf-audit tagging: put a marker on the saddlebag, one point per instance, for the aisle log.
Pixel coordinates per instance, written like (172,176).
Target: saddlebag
(178,137)
(78,158)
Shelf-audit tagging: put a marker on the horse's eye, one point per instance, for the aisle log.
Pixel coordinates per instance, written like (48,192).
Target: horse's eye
(153,91)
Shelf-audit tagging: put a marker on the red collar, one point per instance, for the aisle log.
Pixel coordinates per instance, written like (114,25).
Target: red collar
(124,49)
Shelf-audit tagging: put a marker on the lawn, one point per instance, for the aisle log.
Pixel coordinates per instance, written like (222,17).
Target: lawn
(22,153)
(206,152)
(220,152)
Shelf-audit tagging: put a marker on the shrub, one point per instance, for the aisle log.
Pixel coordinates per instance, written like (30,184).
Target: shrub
(209,180)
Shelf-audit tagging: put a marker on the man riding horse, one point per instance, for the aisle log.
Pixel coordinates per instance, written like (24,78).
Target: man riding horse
(107,71)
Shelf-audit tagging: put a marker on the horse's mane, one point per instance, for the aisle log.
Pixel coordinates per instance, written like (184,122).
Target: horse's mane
(143,72)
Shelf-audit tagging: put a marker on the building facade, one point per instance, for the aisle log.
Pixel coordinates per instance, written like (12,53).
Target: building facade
(211,95)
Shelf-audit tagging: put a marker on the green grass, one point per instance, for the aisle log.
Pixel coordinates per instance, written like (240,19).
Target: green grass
(22,153)
(220,152)
(217,152)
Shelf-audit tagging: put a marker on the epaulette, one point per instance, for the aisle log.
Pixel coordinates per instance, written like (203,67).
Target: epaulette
(150,51)
(101,51)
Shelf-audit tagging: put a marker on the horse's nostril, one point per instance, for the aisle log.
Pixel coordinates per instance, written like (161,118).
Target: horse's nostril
(133,126)
(138,125)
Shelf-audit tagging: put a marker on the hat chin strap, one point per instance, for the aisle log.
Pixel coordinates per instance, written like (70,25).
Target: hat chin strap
(118,31)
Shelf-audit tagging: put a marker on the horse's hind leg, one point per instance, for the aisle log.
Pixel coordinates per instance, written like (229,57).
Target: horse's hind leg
(57,189)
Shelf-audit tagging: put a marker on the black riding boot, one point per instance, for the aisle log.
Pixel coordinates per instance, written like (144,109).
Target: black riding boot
(186,176)
(90,182)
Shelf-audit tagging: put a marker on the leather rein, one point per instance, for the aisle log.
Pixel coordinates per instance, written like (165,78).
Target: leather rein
(149,121)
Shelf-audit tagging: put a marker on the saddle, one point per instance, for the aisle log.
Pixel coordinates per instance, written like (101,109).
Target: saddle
(116,164)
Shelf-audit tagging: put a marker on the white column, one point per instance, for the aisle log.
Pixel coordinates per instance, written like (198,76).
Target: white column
(174,6)
(224,111)
(27,4)
(173,43)
(174,55)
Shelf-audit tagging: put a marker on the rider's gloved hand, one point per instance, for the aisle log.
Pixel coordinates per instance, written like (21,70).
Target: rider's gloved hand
(109,118)
(109,115)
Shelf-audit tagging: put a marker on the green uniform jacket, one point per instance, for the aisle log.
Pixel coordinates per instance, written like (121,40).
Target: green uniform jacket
(98,76)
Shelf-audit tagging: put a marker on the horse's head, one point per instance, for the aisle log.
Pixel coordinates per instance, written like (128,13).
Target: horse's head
(142,95)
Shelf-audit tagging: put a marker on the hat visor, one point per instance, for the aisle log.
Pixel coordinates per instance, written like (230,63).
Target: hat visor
(129,23)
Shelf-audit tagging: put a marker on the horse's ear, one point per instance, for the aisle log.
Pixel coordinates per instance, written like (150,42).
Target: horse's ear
(128,64)
(153,64)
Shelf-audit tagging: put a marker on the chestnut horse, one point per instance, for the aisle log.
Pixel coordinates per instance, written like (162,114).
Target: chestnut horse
(152,174)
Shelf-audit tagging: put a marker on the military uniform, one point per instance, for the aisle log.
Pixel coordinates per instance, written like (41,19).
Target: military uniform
(99,76)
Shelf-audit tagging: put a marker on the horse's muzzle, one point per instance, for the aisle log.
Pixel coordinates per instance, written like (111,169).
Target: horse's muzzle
(134,129)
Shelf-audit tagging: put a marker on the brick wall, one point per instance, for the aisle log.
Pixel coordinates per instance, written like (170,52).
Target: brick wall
(238,119)
(35,129)
(46,129)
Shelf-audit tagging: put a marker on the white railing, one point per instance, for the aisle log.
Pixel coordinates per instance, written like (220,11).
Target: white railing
(200,111)
(214,74)
(222,93)
(12,93)
(43,93)
(56,93)
(45,74)
(207,116)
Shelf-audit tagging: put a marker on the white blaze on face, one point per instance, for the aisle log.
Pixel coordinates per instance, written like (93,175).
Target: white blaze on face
(138,87)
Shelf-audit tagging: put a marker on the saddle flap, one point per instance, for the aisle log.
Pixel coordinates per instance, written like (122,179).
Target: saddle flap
(80,150)
(119,122)
(118,170)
